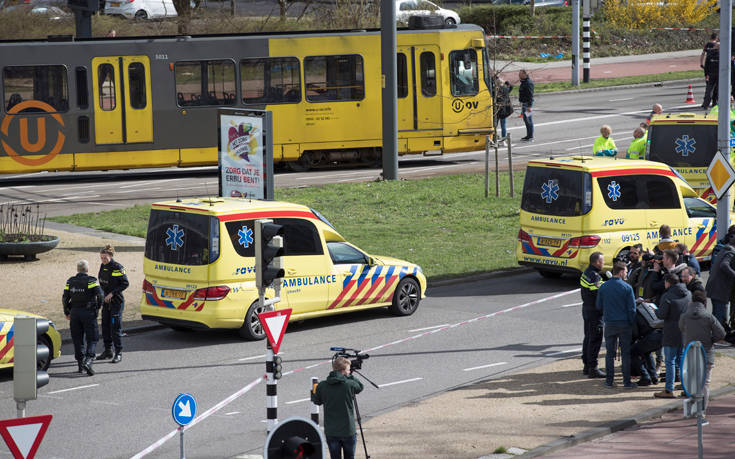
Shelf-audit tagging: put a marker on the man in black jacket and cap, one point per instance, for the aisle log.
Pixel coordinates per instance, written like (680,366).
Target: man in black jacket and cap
(673,304)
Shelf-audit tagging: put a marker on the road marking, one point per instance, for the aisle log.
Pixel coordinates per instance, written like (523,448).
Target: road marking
(579,349)
(231,413)
(298,401)
(620,100)
(69,198)
(529,145)
(571,304)
(428,328)
(252,358)
(399,382)
(72,388)
(581,146)
(486,366)
(137,191)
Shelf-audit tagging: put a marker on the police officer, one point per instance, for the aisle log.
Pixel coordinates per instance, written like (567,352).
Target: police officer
(590,282)
(82,299)
(113,281)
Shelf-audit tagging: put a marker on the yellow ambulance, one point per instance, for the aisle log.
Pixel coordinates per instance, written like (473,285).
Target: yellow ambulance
(573,206)
(200,267)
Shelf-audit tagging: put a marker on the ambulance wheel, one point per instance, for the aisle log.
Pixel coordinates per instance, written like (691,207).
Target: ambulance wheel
(252,330)
(406,297)
(549,274)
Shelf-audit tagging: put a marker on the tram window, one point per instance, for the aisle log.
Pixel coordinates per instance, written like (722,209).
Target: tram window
(82,89)
(428,74)
(44,83)
(402,71)
(201,83)
(463,72)
(270,80)
(136,79)
(107,90)
(334,78)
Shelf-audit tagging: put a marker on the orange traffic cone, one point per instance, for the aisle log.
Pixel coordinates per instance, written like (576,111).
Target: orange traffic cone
(690,97)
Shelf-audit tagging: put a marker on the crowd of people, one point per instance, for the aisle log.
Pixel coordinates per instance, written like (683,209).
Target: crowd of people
(651,306)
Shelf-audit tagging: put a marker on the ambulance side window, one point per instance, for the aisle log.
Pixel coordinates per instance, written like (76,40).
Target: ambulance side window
(342,253)
(699,208)
(301,237)
(622,192)
(242,235)
(661,193)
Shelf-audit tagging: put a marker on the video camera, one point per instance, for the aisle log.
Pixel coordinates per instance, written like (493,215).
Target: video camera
(652,256)
(353,355)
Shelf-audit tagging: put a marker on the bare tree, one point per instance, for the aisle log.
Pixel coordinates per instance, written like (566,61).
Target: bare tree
(183,9)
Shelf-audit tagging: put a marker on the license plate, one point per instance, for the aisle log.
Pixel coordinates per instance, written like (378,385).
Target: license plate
(168,293)
(551,242)
(115,4)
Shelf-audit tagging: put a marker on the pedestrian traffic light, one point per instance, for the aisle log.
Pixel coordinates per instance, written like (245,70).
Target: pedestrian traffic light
(28,352)
(268,252)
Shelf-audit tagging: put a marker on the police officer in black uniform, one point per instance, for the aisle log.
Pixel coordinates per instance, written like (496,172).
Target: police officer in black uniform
(82,299)
(590,282)
(113,281)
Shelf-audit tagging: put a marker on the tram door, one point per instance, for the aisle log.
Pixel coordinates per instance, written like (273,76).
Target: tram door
(123,111)
(419,98)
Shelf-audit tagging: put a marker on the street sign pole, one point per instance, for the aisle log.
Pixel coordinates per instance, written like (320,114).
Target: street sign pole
(390,88)
(183,411)
(586,41)
(575,42)
(723,101)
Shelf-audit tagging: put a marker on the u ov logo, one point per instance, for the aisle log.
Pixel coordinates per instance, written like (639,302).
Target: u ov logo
(25,142)
(458,105)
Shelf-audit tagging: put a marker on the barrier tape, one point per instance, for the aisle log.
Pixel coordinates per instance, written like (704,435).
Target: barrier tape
(245,389)
(528,36)
(199,418)
(684,28)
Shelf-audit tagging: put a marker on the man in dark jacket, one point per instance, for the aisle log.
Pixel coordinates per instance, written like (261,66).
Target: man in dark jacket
(711,75)
(674,302)
(590,282)
(647,337)
(82,299)
(689,278)
(615,301)
(525,97)
(696,324)
(721,278)
(337,394)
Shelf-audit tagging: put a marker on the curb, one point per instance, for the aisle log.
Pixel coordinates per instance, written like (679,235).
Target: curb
(615,426)
(612,88)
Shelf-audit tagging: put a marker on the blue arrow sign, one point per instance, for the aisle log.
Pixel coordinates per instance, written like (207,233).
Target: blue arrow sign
(732,142)
(184,409)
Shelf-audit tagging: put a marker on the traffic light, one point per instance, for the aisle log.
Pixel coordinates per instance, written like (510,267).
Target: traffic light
(27,378)
(268,252)
(275,367)
(84,5)
(295,437)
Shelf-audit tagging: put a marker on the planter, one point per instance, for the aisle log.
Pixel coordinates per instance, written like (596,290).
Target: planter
(27,249)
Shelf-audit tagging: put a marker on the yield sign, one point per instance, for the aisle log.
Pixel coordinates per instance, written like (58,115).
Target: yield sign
(23,435)
(274,323)
(721,175)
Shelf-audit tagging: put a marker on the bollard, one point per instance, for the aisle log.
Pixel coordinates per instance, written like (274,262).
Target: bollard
(510,164)
(271,390)
(314,406)
(487,166)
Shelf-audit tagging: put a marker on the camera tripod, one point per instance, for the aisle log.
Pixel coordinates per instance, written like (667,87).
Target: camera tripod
(357,412)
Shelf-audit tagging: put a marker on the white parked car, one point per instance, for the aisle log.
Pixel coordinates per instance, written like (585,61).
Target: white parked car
(408,8)
(141,9)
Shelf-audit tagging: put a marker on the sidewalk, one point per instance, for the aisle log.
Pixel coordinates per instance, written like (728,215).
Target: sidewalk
(604,67)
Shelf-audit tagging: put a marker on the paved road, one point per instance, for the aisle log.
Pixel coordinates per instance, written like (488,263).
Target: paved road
(127,407)
(566,123)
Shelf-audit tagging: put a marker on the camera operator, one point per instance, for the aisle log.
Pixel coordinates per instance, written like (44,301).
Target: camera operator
(689,277)
(687,258)
(337,394)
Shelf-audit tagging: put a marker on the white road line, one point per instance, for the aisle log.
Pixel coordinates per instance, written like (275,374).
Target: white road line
(231,413)
(73,388)
(148,182)
(570,305)
(400,382)
(579,349)
(298,401)
(428,328)
(529,145)
(68,198)
(620,100)
(580,146)
(485,366)
(253,357)
(138,191)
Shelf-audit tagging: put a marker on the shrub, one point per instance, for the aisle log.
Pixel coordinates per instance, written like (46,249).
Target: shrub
(637,14)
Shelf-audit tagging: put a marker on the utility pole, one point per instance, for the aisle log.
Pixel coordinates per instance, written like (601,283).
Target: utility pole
(723,101)
(390,88)
(575,42)
(586,41)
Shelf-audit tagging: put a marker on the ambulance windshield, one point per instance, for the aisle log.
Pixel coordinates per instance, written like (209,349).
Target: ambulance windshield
(182,238)
(682,145)
(551,191)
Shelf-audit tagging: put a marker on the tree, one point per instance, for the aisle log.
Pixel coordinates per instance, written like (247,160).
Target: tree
(184,9)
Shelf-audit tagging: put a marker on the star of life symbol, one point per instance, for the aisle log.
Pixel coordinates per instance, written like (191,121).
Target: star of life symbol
(685,145)
(175,237)
(550,191)
(613,190)
(246,236)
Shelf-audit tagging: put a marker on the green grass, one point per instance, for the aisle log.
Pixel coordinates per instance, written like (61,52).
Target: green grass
(604,82)
(444,224)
